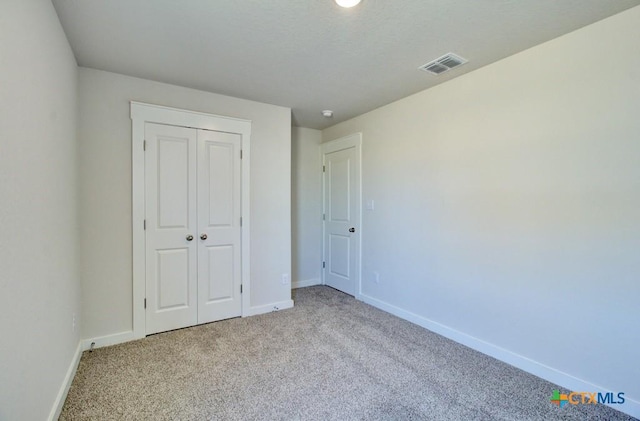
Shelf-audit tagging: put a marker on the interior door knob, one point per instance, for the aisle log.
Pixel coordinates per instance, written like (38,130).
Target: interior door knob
(352,229)
(189,237)
(203,237)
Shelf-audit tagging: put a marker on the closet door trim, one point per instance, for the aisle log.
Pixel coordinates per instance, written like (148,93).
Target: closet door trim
(141,114)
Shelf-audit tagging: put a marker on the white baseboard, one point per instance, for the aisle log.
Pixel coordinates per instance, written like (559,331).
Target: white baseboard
(268,308)
(630,407)
(126,336)
(116,338)
(306,283)
(66,384)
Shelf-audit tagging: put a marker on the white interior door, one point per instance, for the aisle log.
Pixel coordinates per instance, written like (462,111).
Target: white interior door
(341,159)
(193,226)
(171,252)
(219,229)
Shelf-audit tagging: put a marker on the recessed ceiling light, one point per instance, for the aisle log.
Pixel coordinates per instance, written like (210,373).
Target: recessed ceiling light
(327,113)
(347,3)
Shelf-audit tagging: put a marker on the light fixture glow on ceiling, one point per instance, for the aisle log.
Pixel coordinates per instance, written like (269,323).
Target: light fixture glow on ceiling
(347,3)
(327,113)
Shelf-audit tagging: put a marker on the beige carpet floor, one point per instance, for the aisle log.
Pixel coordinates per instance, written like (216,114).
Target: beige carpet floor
(329,358)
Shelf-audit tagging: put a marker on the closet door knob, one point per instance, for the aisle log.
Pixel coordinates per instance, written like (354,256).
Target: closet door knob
(203,237)
(189,237)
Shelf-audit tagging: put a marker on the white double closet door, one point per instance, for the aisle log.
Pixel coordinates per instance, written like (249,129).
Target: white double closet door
(193,226)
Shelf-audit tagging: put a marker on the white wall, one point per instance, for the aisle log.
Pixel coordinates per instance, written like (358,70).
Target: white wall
(507,205)
(39,284)
(105,169)
(306,206)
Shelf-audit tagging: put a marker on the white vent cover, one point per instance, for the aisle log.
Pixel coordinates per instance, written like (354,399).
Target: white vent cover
(443,64)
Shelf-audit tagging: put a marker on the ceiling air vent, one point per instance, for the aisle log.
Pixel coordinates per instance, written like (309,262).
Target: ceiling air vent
(443,64)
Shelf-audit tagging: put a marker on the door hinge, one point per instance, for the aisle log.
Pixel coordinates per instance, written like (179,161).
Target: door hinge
(240,221)
(240,153)
(323,168)
(323,216)
(145,224)
(144,145)
(323,265)
(145,303)
(240,288)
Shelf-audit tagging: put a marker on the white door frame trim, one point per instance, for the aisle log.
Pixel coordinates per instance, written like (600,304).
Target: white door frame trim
(350,141)
(142,113)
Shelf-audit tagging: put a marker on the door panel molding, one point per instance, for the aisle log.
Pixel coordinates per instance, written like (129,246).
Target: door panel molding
(349,213)
(170,194)
(141,114)
(219,260)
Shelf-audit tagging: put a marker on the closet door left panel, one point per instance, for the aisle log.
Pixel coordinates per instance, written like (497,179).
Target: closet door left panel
(171,227)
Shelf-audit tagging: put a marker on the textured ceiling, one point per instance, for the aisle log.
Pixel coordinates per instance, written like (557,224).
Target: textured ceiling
(312,55)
